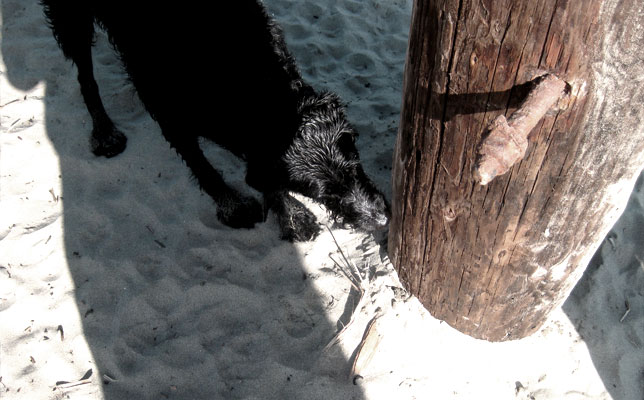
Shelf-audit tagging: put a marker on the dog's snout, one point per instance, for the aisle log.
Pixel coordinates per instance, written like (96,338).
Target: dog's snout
(382,220)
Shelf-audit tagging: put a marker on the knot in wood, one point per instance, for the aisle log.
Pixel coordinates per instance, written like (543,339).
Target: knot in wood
(449,214)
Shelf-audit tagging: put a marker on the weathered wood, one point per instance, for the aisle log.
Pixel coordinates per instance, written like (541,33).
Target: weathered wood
(494,260)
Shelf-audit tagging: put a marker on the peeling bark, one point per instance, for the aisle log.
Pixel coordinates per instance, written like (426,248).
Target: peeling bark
(494,260)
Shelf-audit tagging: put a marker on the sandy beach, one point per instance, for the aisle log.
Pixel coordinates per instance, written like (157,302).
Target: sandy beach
(117,281)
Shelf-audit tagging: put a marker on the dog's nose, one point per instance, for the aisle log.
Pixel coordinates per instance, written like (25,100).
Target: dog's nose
(384,216)
(382,221)
(379,221)
(380,229)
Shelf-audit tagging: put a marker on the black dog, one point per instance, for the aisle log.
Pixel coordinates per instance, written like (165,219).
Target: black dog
(292,138)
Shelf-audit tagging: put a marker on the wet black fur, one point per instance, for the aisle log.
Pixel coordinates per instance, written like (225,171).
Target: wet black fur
(223,72)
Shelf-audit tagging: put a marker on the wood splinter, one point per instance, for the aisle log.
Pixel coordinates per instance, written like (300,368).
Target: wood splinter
(507,141)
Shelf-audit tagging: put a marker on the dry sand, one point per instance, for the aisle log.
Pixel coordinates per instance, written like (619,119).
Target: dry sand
(119,268)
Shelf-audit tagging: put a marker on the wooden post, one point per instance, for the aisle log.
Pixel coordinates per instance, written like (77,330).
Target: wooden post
(493,260)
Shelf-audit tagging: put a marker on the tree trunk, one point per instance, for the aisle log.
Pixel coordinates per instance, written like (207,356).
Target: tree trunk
(493,260)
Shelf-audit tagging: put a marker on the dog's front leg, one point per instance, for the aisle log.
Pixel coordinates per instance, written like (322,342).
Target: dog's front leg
(297,223)
(233,208)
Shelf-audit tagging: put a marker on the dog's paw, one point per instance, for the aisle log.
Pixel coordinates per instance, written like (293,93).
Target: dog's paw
(298,224)
(302,233)
(240,212)
(107,141)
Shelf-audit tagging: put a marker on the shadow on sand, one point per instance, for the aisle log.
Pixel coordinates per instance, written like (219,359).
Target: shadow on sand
(624,248)
(173,304)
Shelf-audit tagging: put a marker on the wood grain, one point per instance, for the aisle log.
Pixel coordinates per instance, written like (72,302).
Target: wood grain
(494,260)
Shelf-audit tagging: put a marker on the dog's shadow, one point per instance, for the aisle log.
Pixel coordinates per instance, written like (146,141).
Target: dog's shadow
(173,303)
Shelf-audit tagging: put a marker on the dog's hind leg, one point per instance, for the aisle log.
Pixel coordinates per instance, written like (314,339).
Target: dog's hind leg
(233,209)
(73,26)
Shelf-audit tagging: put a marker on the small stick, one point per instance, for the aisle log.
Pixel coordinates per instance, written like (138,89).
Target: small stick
(361,300)
(367,347)
(82,381)
(357,282)
(346,275)
(68,385)
(508,139)
(53,195)
(628,309)
(6,104)
(338,246)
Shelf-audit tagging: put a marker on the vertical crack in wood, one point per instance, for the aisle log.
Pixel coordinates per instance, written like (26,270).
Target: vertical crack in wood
(412,75)
(545,42)
(515,81)
(458,290)
(494,74)
(424,72)
(503,195)
(496,287)
(440,138)
(551,134)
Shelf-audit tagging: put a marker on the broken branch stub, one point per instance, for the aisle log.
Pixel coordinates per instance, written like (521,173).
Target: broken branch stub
(507,140)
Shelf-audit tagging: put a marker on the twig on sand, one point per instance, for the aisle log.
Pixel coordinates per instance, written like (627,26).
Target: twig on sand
(366,349)
(357,277)
(357,281)
(9,102)
(82,381)
(628,309)
(346,275)
(339,336)
(54,197)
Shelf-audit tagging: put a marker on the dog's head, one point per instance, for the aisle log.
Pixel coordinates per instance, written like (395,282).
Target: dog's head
(323,164)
